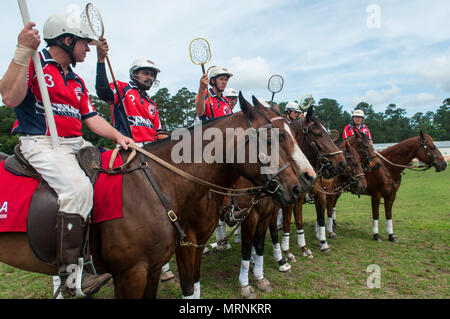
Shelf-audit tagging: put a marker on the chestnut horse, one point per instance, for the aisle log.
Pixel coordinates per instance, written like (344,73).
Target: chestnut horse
(395,159)
(134,248)
(320,190)
(201,224)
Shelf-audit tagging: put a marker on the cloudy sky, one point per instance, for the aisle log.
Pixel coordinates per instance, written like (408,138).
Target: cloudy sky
(380,52)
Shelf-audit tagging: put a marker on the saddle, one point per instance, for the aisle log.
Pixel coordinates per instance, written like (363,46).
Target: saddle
(41,222)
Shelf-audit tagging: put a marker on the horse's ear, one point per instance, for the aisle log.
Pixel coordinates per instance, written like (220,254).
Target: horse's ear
(246,107)
(255,101)
(310,113)
(347,146)
(421,134)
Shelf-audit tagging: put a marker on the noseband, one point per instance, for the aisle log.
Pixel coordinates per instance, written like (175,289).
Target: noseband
(423,143)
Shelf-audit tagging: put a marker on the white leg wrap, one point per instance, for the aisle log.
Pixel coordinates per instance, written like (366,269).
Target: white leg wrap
(258,268)
(317,228)
(197,290)
(301,238)
(243,275)
(166,267)
(389,227)
(277,252)
(189,297)
(322,236)
(329,224)
(285,242)
(375,226)
(333,213)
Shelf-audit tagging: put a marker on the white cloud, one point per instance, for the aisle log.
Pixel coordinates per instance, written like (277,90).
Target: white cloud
(249,73)
(421,101)
(438,72)
(377,98)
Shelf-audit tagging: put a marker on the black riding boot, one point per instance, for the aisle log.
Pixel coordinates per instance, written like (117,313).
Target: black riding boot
(70,234)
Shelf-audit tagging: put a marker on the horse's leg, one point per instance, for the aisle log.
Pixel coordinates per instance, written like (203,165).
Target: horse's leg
(375,216)
(258,269)
(287,216)
(333,211)
(152,284)
(301,242)
(132,283)
(320,201)
(330,219)
(388,203)
(247,234)
(283,265)
(186,256)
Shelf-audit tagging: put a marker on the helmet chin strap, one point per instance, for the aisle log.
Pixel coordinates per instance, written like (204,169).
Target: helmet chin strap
(140,84)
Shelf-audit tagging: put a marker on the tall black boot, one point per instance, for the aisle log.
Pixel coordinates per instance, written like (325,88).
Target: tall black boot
(70,234)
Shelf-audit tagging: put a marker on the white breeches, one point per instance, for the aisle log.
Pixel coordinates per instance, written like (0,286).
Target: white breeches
(60,169)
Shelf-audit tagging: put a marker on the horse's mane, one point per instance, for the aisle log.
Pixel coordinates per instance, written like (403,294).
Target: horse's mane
(394,147)
(206,123)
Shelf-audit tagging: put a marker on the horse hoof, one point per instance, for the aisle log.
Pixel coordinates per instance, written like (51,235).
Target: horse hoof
(393,238)
(264,285)
(206,251)
(332,235)
(376,237)
(291,258)
(284,268)
(247,292)
(166,276)
(308,254)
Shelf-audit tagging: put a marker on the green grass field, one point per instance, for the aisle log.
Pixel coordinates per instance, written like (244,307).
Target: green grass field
(416,267)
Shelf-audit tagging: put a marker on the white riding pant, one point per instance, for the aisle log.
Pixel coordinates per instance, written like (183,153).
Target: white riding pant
(60,169)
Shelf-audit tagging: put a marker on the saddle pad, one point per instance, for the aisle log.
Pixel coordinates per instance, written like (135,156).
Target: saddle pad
(108,192)
(16,193)
(15,198)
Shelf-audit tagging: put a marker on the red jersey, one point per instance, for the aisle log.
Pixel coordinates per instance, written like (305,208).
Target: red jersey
(348,131)
(69,99)
(220,106)
(141,113)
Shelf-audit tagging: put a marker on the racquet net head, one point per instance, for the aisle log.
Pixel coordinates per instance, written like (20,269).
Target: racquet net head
(199,51)
(276,83)
(92,17)
(334,135)
(306,102)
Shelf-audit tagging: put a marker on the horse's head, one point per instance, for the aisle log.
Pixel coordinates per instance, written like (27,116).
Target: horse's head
(429,154)
(318,146)
(358,181)
(279,159)
(369,158)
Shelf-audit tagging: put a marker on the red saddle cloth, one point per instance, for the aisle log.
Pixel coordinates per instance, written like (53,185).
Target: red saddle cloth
(16,193)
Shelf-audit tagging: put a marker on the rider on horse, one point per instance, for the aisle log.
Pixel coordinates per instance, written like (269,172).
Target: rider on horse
(357,123)
(214,104)
(68,43)
(232,96)
(139,112)
(292,111)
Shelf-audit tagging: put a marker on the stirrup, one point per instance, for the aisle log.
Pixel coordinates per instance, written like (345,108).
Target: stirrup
(77,271)
(231,219)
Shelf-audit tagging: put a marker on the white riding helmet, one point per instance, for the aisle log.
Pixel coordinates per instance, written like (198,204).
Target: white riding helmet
(67,23)
(359,113)
(263,102)
(229,92)
(292,106)
(218,70)
(143,63)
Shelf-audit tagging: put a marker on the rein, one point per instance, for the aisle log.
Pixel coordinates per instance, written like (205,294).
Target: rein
(403,166)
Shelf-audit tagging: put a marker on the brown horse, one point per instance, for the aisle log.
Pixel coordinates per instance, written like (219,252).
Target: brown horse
(354,169)
(395,159)
(207,216)
(134,248)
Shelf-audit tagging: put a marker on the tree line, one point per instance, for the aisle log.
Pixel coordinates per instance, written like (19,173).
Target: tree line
(178,111)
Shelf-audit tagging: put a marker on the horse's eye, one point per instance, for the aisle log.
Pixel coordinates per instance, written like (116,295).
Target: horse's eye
(432,148)
(282,137)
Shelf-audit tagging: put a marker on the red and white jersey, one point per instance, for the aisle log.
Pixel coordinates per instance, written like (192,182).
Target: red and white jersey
(141,113)
(348,131)
(220,106)
(69,99)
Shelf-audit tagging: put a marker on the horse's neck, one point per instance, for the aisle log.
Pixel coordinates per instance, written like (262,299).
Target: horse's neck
(401,153)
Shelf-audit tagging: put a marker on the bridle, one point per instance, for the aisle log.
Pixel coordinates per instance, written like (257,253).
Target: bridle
(323,160)
(431,157)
